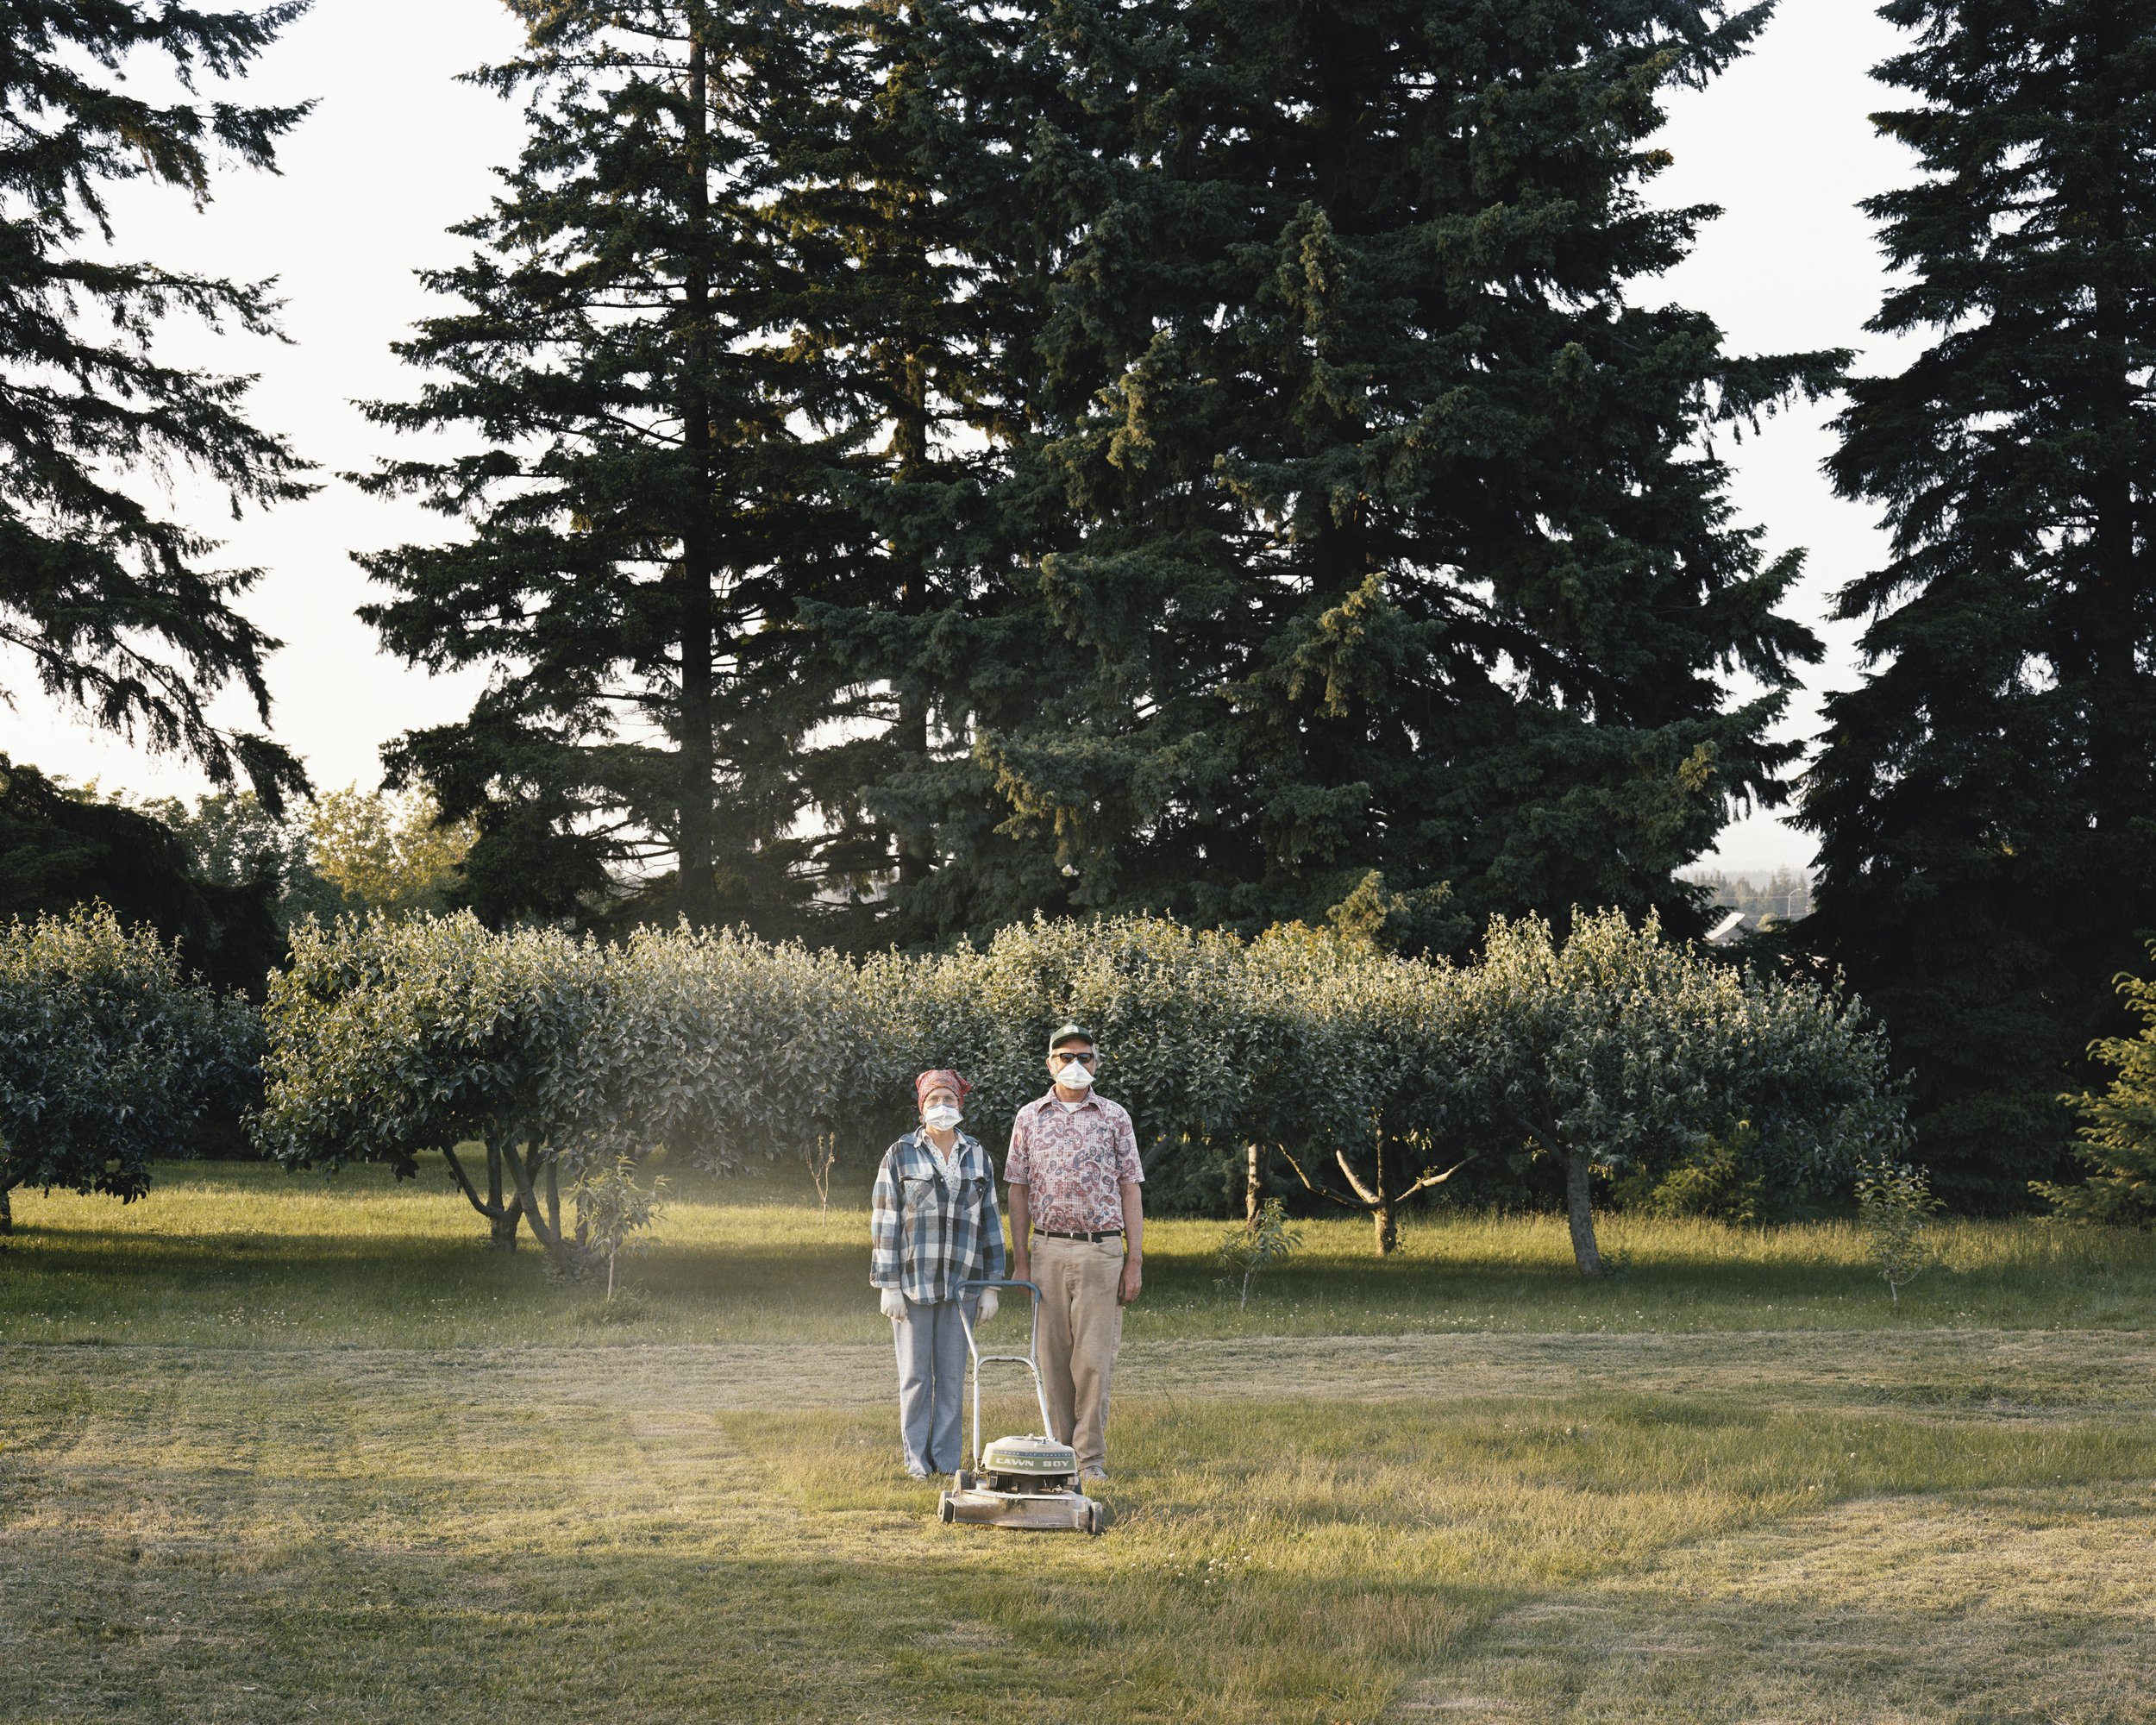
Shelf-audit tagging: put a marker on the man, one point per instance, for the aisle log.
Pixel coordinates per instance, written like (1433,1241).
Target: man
(1078,1229)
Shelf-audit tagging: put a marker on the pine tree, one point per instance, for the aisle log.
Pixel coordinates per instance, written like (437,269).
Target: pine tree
(905,192)
(1398,562)
(643,495)
(1986,799)
(116,606)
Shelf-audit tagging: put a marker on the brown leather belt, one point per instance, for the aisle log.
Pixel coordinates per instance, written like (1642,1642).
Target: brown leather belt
(1060,1234)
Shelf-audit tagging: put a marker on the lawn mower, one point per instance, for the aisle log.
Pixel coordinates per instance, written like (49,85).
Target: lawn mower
(1028,1482)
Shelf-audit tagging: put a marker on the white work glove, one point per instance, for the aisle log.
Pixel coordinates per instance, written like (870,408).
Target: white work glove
(988,1305)
(894,1305)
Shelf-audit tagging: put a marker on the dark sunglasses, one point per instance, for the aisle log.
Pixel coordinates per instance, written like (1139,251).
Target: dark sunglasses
(1088,1059)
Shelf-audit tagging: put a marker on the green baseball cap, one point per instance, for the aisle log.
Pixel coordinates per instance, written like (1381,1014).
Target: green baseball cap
(1069,1032)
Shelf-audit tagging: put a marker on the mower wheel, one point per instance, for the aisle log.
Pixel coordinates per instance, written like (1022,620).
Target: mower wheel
(1096,1522)
(944,1509)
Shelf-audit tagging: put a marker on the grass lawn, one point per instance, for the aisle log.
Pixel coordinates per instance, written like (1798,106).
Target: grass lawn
(275,1449)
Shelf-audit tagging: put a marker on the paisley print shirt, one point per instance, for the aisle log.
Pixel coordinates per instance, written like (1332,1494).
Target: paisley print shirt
(1074,1162)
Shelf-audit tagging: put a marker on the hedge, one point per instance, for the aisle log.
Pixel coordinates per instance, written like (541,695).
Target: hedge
(1612,1052)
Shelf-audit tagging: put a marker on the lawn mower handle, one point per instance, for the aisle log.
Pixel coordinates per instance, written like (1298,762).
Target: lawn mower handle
(1029,1359)
(1003,1282)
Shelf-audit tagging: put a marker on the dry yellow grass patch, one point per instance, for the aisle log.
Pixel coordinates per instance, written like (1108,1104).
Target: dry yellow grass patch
(276,1450)
(203,1535)
(2020,1603)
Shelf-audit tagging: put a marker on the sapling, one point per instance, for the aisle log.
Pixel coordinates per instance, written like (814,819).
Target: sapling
(821,1154)
(613,1213)
(1895,1207)
(1252,1246)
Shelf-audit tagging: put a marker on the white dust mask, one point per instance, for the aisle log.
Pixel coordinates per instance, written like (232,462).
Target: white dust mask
(942,1116)
(1074,1074)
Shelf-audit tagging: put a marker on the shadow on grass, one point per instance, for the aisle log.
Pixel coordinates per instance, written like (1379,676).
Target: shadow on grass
(304,1610)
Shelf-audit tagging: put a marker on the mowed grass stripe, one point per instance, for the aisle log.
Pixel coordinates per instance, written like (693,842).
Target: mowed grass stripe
(227,1537)
(276,1449)
(2005,1372)
(2009,1604)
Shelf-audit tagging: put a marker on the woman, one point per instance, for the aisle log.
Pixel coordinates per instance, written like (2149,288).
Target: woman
(933,1223)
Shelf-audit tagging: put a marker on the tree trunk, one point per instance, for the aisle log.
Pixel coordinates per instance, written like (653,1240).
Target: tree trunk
(909,455)
(520,1171)
(501,1218)
(695,839)
(7,1212)
(1580,1212)
(1380,1202)
(1253,1182)
(504,1217)
(554,1197)
(914,845)
(2096,191)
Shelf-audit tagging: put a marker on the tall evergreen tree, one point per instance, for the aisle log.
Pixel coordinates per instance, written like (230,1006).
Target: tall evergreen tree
(1389,572)
(1206,460)
(928,272)
(642,487)
(116,606)
(916,332)
(1986,799)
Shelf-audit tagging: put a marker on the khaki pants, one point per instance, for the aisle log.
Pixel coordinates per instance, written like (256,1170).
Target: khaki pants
(1081,1325)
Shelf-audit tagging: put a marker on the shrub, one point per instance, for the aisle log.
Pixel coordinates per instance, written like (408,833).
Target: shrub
(1619,1051)
(561,1056)
(614,1214)
(109,1056)
(2118,1127)
(1354,1062)
(1720,1182)
(1167,1004)
(387,1038)
(1373,1077)
(1265,1240)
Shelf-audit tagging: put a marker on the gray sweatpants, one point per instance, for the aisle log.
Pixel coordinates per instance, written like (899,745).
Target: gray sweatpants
(932,1344)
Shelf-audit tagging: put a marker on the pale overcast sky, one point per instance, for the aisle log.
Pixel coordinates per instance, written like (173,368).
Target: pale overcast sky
(397,151)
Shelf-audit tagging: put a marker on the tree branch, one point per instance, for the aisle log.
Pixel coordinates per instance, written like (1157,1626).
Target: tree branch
(1370,1199)
(493,1212)
(1322,1191)
(520,1172)
(1429,1179)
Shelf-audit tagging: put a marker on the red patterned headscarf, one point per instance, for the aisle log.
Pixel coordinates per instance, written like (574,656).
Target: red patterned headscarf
(942,1076)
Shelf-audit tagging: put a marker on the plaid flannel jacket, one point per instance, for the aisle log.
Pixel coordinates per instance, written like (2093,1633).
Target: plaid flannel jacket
(924,1238)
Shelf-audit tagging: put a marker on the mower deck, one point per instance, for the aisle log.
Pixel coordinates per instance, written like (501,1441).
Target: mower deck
(1045,1511)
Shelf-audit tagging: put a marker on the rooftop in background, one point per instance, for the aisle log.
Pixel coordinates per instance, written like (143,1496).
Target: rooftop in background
(1785,894)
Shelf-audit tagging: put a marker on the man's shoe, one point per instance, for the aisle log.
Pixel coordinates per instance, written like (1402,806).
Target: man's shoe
(1095,1473)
